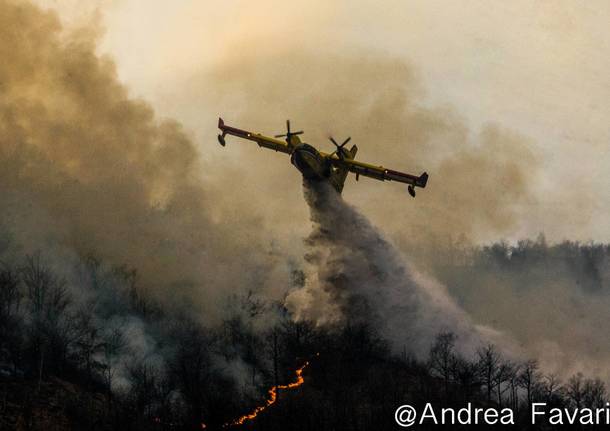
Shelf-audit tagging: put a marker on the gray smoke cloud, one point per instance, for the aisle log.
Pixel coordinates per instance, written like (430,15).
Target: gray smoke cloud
(356,275)
(552,298)
(87,169)
(90,174)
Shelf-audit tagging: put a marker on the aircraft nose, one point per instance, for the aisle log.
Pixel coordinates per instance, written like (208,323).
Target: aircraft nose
(298,159)
(304,162)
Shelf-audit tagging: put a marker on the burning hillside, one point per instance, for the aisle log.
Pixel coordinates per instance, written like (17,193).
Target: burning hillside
(137,293)
(273,394)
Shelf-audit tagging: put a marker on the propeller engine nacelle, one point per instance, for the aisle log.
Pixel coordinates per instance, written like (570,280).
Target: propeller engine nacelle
(340,152)
(289,135)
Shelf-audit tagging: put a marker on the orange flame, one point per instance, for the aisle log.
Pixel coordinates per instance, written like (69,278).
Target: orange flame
(272,397)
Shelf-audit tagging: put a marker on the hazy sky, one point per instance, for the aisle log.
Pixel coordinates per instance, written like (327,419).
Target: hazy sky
(538,68)
(505,104)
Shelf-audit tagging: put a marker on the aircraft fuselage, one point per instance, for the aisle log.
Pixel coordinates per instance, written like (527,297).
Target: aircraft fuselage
(309,162)
(315,166)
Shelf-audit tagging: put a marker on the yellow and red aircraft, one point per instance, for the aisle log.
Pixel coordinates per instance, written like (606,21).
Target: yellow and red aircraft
(315,164)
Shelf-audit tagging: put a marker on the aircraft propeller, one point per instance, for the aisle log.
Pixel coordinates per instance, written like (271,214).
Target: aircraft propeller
(339,150)
(288,133)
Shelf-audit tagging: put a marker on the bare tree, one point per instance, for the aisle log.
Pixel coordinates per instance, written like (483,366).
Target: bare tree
(488,359)
(144,380)
(113,344)
(551,387)
(442,358)
(529,379)
(594,393)
(10,321)
(48,300)
(10,295)
(88,343)
(575,390)
(513,382)
(503,375)
(466,375)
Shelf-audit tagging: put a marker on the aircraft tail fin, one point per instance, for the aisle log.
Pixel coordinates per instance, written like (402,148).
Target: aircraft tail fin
(422,180)
(221,137)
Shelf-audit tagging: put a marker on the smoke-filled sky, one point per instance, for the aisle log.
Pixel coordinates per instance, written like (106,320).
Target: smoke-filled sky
(536,71)
(504,104)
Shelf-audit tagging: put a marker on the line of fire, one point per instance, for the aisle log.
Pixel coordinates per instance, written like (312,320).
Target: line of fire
(273,392)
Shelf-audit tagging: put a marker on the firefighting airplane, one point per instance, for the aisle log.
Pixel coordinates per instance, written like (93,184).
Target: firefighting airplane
(315,164)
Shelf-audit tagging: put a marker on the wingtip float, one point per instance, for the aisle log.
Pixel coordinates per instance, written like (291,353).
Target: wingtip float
(314,164)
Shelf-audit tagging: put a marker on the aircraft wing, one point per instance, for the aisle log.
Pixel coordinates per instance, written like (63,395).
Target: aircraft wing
(261,140)
(379,172)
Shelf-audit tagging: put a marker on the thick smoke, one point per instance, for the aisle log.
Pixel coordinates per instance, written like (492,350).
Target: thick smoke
(105,196)
(552,298)
(357,276)
(86,169)
(481,180)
